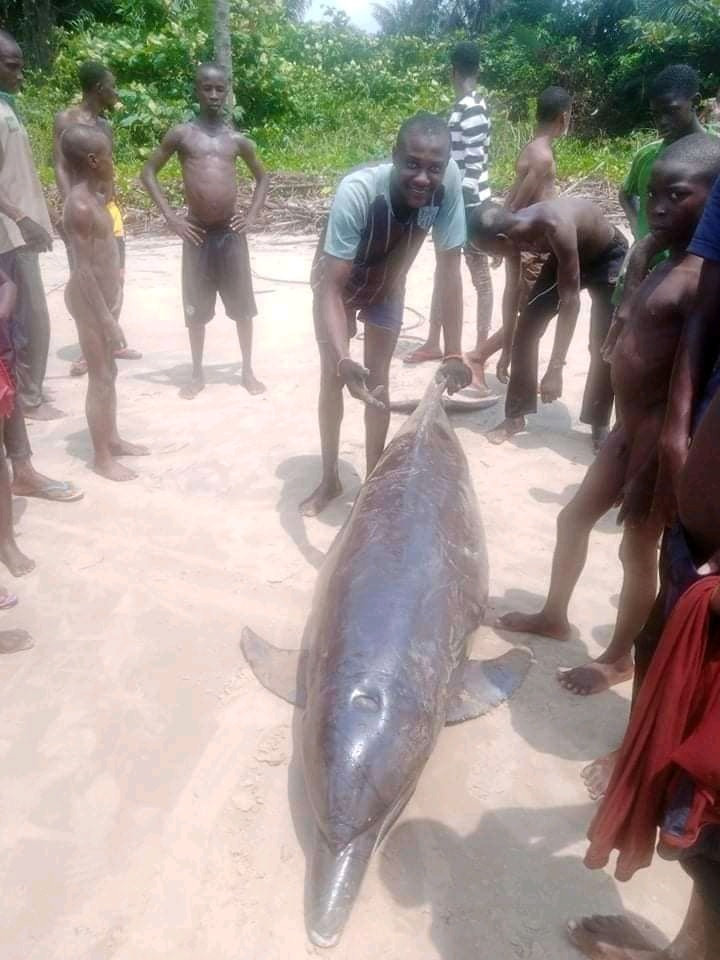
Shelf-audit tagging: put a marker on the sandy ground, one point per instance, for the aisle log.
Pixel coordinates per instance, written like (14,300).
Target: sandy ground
(150,806)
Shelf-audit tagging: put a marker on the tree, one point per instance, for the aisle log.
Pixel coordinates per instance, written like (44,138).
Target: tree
(223,48)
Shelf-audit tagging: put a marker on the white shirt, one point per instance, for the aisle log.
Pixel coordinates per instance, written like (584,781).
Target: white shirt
(19,182)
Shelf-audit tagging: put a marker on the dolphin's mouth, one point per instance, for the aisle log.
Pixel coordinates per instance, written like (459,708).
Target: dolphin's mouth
(335,879)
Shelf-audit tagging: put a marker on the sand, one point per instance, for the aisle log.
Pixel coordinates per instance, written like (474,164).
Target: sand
(150,805)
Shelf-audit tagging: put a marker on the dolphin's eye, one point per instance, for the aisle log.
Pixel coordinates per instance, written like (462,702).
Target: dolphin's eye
(365,701)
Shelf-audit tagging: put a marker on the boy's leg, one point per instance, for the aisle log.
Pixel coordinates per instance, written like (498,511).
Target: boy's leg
(479,267)
(26,481)
(16,561)
(245,337)
(330,414)
(380,342)
(199,290)
(532,323)
(597,494)
(34,328)
(598,397)
(100,402)
(234,280)
(638,552)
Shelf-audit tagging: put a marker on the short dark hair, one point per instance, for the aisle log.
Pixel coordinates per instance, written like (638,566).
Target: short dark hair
(678,79)
(486,222)
(465,58)
(80,139)
(552,103)
(8,39)
(424,122)
(91,73)
(699,152)
(211,65)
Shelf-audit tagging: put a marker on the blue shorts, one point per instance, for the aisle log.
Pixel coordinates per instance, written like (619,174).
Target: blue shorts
(387,315)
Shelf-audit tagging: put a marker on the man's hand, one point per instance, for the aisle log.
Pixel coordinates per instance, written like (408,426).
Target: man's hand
(354,377)
(35,236)
(673,454)
(456,374)
(186,230)
(551,385)
(115,336)
(240,223)
(502,371)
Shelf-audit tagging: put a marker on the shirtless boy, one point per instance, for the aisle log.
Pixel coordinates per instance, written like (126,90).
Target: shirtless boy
(585,251)
(215,250)
(535,173)
(94,291)
(618,937)
(379,218)
(99,95)
(626,467)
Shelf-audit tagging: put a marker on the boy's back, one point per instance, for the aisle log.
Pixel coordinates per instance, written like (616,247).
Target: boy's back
(535,173)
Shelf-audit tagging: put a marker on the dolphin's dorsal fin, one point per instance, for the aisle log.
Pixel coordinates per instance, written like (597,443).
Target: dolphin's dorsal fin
(282,672)
(479,685)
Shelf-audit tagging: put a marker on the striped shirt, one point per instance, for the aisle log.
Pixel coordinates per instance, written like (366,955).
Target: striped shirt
(470,138)
(363,227)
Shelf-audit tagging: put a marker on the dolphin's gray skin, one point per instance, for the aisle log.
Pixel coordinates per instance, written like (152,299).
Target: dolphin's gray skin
(402,587)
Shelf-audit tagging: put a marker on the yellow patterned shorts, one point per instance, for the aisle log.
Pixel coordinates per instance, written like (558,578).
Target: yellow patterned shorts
(117,221)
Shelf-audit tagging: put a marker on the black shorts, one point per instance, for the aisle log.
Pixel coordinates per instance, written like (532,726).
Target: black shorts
(221,264)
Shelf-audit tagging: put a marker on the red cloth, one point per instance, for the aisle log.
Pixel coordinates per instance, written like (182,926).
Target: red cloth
(7,391)
(674,726)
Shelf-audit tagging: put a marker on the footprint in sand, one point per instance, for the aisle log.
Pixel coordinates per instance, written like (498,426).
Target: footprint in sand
(273,748)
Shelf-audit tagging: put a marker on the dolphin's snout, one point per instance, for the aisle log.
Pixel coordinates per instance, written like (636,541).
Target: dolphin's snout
(335,880)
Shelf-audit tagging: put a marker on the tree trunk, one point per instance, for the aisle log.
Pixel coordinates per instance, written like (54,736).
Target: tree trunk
(223,49)
(38,21)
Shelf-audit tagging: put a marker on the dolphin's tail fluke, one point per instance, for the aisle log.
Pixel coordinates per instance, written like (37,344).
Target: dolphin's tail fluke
(334,882)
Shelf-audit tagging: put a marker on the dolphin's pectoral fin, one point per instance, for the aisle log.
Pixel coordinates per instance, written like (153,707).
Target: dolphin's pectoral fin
(479,685)
(282,672)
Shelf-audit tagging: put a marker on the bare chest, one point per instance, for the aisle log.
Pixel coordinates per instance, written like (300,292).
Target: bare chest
(199,146)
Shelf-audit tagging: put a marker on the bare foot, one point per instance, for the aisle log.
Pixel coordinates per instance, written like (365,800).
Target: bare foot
(123,448)
(508,428)
(112,470)
(15,560)
(423,354)
(476,362)
(596,775)
(44,412)
(192,389)
(13,641)
(321,497)
(127,353)
(79,368)
(611,938)
(596,676)
(538,623)
(252,384)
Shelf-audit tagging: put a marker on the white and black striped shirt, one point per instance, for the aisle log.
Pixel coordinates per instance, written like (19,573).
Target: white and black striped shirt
(470,138)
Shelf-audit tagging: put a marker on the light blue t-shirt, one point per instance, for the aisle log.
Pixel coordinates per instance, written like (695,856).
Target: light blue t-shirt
(362,227)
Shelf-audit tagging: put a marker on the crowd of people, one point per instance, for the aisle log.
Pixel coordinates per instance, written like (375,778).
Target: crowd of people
(654,346)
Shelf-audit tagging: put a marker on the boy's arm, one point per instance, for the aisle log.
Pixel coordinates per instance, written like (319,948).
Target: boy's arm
(562,237)
(510,305)
(336,273)
(448,292)
(179,225)
(62,174)
(79,227)
(246,149)
(697,352)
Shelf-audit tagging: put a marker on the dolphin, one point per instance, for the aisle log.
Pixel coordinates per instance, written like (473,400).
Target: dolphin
(384,665)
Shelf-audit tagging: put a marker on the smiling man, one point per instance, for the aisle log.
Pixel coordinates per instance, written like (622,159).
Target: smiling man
(215,250)
(379,218)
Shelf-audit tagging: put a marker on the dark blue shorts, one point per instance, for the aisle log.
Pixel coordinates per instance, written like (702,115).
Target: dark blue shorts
(387,315)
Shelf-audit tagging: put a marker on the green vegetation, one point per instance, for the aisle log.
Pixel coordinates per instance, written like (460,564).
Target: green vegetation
(320,98)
